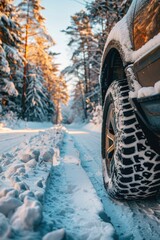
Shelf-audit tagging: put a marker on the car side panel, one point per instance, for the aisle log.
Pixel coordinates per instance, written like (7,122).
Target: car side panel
(147,69)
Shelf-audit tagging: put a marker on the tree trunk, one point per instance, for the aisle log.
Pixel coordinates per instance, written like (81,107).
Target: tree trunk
(83,101)
(85,72)
(58,113)
(25,65)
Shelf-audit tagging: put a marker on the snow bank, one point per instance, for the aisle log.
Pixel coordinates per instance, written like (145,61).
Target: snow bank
(94,124)
(55,235)
(97,115)
(27,216)
(93,127)
(23,176)
(85,126)
(33,125)
(10,121)
(5,228)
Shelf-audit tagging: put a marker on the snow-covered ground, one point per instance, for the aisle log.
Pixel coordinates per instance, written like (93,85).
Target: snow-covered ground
(44,191)
(24,171)
(51,187)
(131,219)
(71,201)
(13,133)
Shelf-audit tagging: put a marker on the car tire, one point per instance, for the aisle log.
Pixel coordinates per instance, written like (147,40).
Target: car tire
(131,169)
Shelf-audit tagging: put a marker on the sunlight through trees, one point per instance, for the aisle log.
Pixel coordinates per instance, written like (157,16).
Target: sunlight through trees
(30,79)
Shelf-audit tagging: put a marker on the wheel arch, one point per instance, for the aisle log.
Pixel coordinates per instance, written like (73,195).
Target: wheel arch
(113,65)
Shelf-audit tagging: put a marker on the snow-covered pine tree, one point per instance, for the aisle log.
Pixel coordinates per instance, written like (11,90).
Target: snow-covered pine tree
(39,54)
(60,96)
(79,103)
(103,15)
(85,33)
(86,56)
(10,60)
(38,105)
(88,33)
(37,42)
(30,19)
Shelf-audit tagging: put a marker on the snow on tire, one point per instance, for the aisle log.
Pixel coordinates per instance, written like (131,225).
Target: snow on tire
(131,169)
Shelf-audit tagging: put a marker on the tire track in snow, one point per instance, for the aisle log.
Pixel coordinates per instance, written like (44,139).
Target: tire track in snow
(71,201)
(133,219)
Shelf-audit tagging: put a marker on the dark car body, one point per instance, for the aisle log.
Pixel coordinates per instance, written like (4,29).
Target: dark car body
(132,51)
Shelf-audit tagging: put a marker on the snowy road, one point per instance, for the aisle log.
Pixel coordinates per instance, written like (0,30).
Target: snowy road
(71,201)
(12,138)
(138,220)
(75,199)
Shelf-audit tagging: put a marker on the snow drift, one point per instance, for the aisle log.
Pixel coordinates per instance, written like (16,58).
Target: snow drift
(23,175)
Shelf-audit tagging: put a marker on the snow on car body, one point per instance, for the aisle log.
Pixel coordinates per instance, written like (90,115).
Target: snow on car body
(130,84)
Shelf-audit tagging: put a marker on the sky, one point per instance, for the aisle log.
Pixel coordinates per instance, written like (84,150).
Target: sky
(58,17)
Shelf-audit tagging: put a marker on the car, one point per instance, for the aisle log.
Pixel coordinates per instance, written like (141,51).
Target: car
(130,90)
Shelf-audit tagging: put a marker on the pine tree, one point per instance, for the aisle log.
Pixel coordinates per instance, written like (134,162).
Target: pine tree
(79,103)
(40,55)
(88,33)
(10,59)
(37,100)
(60,96)
(37,42)
(32,25)
(86,55)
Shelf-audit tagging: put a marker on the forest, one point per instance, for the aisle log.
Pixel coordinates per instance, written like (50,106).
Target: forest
(32,86)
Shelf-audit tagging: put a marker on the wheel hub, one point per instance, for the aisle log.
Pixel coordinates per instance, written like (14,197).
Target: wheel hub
(110,138)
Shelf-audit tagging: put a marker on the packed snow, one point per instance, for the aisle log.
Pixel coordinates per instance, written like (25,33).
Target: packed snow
(131,219)
(44,191)
(149,91)
(71,200)
(51,188)
(23,175)
(12,124)
(13,131)
(141,92)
